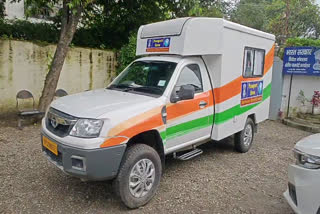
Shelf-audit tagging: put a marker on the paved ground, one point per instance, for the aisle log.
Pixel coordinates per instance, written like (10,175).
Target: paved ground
(219,181)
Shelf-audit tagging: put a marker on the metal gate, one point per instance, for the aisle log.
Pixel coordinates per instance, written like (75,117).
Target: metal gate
(276,89)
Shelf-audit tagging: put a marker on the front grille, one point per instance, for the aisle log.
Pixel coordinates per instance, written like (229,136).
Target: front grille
(64,122)
(292,193)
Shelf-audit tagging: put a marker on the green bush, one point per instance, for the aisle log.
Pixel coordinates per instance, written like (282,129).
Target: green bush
(127,53)
(299,42)
(302,42)
(24,30)
(49,33)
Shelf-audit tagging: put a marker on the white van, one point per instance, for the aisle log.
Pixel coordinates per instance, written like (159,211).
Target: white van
(200,79)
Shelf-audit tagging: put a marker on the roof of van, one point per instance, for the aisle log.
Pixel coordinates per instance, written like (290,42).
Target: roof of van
(200,31)
(174,27)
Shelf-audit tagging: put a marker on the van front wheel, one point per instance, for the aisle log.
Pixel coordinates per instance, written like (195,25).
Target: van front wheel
(139,176)
(243,139)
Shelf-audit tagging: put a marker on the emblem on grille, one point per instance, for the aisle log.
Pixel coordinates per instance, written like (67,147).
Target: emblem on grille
(53,122)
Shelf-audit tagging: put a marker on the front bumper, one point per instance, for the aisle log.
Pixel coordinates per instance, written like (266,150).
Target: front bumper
(99,164)
(304,194)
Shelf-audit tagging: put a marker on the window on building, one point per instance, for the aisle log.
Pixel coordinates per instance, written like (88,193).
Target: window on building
(253,62)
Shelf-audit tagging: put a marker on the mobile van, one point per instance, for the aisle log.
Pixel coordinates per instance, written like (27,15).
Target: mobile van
(197,80)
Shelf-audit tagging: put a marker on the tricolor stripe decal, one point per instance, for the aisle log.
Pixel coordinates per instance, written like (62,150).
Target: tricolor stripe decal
(233,88)
(152,119)
(220,118)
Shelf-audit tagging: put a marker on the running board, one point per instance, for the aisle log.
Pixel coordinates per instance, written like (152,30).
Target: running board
(187,156)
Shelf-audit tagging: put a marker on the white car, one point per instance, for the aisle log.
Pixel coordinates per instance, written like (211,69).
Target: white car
(303,192)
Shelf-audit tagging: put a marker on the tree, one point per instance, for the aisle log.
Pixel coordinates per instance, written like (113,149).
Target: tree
(116,17)
(284,18)
(251,13)
(293,18)
(207,8)
(71,14)
(2,8)
(127,53)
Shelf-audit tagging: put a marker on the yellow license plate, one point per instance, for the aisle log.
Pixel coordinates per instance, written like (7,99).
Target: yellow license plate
(53,147)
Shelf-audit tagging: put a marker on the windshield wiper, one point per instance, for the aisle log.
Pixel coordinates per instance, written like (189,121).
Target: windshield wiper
(122,87)
(148,89)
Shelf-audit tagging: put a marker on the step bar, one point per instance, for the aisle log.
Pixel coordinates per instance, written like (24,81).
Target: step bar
(188,155)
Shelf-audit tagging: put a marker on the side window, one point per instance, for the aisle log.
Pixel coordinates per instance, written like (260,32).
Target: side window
(248,62)
(258,62)
(190,75)
(253,62)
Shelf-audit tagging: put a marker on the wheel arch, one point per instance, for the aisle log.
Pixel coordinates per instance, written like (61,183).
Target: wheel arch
(253,118)
(151,138)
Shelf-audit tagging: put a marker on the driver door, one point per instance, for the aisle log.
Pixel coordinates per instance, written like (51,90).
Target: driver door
(188,120)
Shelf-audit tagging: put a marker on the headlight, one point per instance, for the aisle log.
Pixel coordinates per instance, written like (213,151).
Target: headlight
(87,128)
(306,160)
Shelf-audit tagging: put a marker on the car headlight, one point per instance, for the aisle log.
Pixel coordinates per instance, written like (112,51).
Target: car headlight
(306,160)
(87,128)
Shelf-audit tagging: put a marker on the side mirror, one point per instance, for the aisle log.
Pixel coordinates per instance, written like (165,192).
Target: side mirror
(186,92)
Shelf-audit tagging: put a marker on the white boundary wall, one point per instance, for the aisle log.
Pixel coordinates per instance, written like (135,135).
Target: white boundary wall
(23,65)
(308,84)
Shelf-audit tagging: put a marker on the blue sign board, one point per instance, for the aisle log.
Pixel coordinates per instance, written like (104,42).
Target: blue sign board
(251,92)
(301,61)
(158,44)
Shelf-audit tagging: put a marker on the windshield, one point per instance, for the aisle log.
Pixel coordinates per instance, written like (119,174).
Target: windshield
(145,77)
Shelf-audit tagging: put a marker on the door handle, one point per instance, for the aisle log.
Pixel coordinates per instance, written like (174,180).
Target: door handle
(203,104)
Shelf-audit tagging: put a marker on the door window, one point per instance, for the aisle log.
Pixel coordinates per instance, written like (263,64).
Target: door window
(190,75)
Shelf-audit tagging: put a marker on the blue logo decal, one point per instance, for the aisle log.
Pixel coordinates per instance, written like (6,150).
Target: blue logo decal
(158,45)
(251,92)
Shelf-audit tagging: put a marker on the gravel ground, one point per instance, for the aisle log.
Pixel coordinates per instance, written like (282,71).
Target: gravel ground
(218,181)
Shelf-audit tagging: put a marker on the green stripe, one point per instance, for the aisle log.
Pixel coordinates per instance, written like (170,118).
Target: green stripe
(185,128)
(237,110)
(163,135)
(190,126)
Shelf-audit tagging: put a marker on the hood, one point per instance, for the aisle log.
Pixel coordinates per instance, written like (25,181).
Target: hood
(92,104)
(310,145)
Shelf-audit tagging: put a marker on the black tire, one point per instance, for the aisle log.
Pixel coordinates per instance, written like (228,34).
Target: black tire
(133,155)
(240,144)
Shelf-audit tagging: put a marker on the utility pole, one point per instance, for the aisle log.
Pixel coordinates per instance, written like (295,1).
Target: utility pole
(286,33)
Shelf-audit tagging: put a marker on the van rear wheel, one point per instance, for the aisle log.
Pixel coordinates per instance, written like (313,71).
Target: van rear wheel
(244,138)
(139,176)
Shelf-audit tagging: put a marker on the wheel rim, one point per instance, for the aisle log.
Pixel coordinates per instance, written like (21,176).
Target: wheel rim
(247,138)
(141,178)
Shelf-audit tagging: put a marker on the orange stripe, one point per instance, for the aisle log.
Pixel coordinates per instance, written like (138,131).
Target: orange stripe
(185,107)
(233,88)
(152,118)
(145,125)
(157,50)
(113,141)
(133,121)
(269,60)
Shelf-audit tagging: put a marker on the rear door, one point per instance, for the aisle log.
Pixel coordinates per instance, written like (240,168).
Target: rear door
(190,121)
